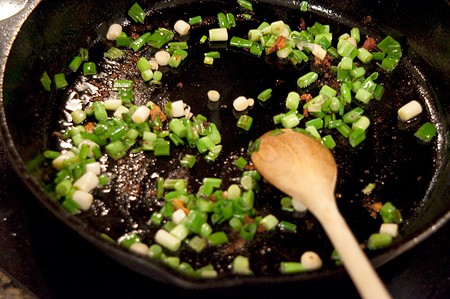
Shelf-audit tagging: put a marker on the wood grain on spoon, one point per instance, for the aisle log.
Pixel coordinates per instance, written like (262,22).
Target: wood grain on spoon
(304,169)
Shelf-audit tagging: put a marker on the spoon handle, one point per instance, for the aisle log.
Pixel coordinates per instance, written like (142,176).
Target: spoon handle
(358,266)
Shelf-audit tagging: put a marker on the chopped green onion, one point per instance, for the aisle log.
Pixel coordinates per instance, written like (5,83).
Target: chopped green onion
(240,42)
(356,137)
(114,53)
(213,54)
(307,79)
(46,81)
(223,21)
(136,13)
(162,148)
(265,95)
(328,141)
(246,4)
(364,55)
(304,6)
(248,231)
(379,240)
(231,20)
(353,115)
(208,60)
(291,267)
(426,132)
(203,39)
(292,100)
(139,42)
(195,20)
(390,213)
(363,95)
(123,40)
(160,37)
(241,162)
(89,68)
(60,80)
(84,53)
(197,243)
(217,238)
(245,122)
(241,265)
(75,63)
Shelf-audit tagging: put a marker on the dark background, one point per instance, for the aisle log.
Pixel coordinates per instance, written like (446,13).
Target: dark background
(44,256)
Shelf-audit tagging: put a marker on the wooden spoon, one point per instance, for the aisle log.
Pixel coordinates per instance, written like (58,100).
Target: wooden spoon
(304,169)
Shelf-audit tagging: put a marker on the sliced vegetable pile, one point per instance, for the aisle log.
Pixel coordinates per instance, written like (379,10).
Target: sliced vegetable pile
(215,214)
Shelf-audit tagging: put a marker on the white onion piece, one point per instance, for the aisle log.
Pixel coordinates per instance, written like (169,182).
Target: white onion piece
(86,182)
(250,102)
(112,104)
(94,167)
(141,114)
(298,206)
(182,27)
(139,248)
(114,31)
(311,260)
(409,110)
(154,64)
(178,215)
(213,95)
(120,110)
(218,35)
(180,232)
(178,109)
(319,52)
(162,57)
(83,199)
(240,103)
(389,228)
(277,27)
(165,239)
(352,41)
(58,162)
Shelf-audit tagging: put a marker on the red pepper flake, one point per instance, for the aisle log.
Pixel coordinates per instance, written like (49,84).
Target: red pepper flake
(178,204)
(280,43)
(90,126)
(248,219)
(250,167)
(305,112)
(377,206)
(261,229)
(302,24)
(156,111)
(306,97)
(326,61)
(374,209)
(370,43)
(367,20)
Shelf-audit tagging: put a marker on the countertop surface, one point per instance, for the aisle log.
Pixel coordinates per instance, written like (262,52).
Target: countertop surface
(42,257)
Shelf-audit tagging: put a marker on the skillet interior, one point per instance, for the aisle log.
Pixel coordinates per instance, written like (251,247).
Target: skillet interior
(45,47)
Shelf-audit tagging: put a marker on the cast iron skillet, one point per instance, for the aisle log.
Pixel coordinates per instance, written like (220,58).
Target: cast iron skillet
(45,36)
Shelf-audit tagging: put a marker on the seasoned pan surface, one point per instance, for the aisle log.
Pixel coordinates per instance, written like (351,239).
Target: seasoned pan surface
(409,173)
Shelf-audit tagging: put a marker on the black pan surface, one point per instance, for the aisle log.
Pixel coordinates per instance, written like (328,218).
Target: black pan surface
(414,176)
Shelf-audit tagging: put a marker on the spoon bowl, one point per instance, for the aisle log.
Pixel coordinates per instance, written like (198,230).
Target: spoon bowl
(303,168)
